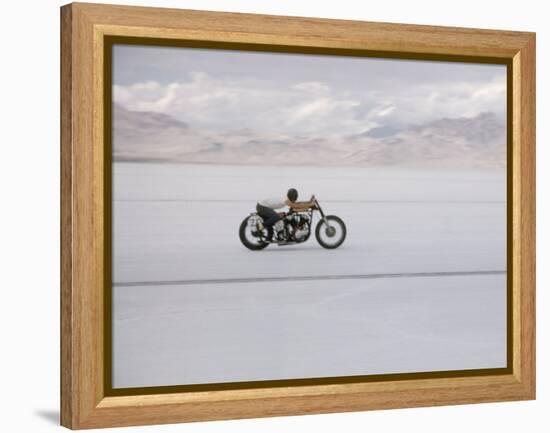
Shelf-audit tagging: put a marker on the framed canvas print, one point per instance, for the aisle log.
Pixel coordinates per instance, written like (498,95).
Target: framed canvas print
(267,215)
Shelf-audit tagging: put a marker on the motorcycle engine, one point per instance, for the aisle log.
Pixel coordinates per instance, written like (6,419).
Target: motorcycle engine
(301,227)
(300,234)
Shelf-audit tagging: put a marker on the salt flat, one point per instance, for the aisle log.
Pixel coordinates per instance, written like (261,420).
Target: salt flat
(175,225)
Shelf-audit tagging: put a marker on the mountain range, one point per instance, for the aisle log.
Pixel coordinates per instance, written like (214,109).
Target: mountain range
(464,142)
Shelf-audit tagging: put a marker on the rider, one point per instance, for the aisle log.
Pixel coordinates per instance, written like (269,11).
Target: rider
(266,208)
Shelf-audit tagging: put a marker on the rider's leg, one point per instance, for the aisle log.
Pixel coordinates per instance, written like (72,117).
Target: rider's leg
(269,215)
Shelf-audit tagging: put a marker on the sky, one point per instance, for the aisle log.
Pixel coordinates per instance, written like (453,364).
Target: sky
(301,95)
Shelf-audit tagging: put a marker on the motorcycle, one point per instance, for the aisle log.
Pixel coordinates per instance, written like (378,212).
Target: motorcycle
(293,228)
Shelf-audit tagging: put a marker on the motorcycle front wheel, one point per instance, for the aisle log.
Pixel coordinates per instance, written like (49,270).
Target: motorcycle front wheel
(251,240)
(332,235)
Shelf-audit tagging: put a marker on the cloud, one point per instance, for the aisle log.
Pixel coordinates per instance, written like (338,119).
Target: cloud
(312,86)
(384,111)
(219,104)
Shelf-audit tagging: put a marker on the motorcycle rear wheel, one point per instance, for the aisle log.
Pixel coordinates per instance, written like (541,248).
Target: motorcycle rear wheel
(249,240)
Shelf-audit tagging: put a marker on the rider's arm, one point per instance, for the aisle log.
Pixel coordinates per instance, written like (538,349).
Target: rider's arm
(300,205)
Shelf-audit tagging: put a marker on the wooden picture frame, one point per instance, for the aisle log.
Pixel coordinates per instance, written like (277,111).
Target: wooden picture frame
(85,398)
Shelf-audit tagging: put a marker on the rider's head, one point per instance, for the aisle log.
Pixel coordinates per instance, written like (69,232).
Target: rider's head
(292,195)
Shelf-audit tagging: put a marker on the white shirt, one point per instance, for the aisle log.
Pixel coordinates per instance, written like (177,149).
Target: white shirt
(273,203)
